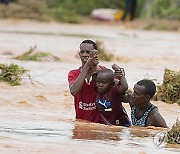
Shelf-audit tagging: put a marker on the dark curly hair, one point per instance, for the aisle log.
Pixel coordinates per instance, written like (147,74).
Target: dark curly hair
(150,87)
(90,42)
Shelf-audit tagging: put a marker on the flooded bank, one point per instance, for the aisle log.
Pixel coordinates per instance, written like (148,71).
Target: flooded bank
(40,118)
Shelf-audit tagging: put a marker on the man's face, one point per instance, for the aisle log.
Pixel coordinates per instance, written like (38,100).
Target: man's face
(84,53)
(138,96)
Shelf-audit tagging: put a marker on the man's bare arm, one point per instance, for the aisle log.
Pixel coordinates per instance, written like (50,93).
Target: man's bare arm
(125,98)
(155,119)
(78,83)
(120,74)
(123,85)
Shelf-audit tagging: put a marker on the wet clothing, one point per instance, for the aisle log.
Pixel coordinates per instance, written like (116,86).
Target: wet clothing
(113,113)
(143,119)
(85,100)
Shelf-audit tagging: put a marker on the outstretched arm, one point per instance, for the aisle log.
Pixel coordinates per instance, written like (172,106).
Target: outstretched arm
(125,98)
(120,74)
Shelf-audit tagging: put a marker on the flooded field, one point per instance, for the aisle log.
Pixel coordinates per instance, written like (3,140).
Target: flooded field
(40,117)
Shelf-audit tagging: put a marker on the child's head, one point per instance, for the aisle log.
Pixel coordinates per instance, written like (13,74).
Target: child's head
(105,79)
(144,90)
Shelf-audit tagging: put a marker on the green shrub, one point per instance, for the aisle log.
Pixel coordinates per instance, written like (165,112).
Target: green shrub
(174,133)
(169,91)
(158,9)
(65,15)
(81,7)
(12,73)
(71,10)
(34,9)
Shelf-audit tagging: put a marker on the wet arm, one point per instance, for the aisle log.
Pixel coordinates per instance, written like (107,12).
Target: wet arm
(120,74)
(125,98)
(78,83)
(155,119)
(123,85)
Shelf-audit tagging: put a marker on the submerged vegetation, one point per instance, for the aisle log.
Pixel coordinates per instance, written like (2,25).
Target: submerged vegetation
(174,133)
(169,91)
(12,73)
(103,54)
(38,56)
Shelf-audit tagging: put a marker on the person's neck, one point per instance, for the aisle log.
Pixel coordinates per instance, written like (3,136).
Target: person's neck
(104,93)
(144,107)
(101,95)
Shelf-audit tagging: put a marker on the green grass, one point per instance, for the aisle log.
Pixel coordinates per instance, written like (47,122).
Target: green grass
(161,9)
(62,14)
(12,74)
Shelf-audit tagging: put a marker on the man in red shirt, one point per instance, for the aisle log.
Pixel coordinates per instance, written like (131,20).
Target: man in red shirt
(82,83)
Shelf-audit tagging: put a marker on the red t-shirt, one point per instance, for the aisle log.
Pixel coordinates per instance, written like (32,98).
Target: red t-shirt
(85,100)
(111,108)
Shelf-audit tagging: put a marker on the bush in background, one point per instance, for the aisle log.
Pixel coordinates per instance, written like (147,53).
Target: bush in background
(33,9)
(161,9)
(72,10)
(81,7)
(169,91)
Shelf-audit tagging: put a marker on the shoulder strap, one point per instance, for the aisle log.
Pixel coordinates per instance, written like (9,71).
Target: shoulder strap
(152,107)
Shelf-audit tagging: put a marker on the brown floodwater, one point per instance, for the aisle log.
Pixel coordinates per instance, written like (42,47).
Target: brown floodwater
(40,117)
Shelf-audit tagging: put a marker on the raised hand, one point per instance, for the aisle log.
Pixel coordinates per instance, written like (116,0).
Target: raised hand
(119,72)
(93,58)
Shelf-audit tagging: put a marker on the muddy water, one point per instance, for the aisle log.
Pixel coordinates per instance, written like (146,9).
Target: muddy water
(39,117)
